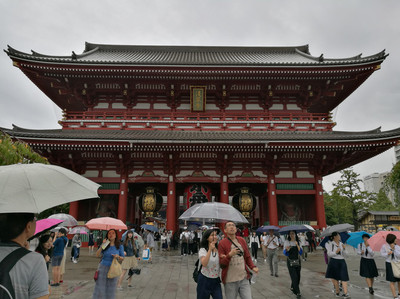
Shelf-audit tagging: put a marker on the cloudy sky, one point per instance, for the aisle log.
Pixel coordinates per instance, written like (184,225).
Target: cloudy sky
(335,28)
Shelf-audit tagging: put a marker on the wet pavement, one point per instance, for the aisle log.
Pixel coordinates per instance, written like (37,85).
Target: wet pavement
(170,276)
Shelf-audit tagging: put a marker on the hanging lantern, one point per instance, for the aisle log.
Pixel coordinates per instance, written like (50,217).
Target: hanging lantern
(150,202)
(244,201)
(197,194)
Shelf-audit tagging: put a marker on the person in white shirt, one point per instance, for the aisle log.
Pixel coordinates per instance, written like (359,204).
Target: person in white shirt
(208,281)
(304,246)
(391,252)
(367,263)
(337,267)
(254,245)
(271,243)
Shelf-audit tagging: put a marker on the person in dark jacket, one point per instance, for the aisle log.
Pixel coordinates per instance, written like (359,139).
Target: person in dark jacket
(293,251)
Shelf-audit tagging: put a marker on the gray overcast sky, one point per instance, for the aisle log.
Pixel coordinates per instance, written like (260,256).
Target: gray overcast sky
(335,28)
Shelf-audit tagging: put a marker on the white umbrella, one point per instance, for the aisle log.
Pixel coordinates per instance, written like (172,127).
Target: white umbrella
(213,212)
(68,220)
(309,227)
(33,188)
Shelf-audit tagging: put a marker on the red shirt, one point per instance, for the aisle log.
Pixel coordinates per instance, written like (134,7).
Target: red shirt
(224,247)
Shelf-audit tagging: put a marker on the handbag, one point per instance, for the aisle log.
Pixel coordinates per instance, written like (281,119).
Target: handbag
(196,271)
(96,275)
(396,268)
(294,263)
(115,269)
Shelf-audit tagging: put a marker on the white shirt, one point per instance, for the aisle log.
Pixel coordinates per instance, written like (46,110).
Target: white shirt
(385,253)
(368,252)
(212,268)
(255,239)
(274,242)
(331,248)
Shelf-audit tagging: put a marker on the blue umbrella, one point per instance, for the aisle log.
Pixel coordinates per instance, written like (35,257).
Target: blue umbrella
(151,228)
(298,228)
(344,236)
(356,238)
(266,228)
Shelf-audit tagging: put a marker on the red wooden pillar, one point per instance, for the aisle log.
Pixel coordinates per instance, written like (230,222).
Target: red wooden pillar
(224,190)
(171,205)
(272,202)
(73,209)
(123,198)
(319,202)
(262,208)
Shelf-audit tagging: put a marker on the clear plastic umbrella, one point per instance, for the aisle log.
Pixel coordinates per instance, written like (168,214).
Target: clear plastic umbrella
(79,230)
(68,220)
(33,188)
(213,212)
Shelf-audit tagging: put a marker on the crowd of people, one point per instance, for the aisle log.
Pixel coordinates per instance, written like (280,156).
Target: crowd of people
(227,258)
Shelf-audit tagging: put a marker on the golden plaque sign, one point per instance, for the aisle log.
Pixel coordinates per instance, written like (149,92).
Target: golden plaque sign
(197,98)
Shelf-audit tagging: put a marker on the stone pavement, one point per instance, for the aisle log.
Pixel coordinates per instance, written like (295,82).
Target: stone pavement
(170,276)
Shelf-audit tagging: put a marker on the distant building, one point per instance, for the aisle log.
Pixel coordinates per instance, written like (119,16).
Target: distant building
(372,221)
(397,153)
(374,182)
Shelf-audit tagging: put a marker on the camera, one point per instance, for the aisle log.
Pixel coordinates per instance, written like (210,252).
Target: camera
(240,253)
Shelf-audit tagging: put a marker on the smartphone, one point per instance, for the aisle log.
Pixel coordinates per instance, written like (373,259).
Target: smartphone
(105,244)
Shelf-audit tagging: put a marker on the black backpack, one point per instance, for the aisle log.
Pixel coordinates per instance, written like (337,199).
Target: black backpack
(6,287)
(196,271)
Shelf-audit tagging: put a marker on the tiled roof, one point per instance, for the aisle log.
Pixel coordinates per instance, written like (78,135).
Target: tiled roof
(195,55)
(203,136)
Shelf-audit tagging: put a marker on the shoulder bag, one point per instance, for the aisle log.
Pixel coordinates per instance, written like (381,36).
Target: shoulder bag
(396,268)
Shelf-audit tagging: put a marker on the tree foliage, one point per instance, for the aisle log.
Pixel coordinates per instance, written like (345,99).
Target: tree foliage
(348,188)
(337,209)
(392,182)
(17,152)
(382,202)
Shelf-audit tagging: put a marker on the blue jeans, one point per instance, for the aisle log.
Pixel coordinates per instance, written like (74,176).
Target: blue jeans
(76,252)
(241,288)
(207,287)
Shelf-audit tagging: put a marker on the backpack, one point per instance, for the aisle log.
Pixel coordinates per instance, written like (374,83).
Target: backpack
(6,287)
(196,271)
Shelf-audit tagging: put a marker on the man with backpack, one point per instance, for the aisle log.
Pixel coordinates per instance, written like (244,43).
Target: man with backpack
(23,273)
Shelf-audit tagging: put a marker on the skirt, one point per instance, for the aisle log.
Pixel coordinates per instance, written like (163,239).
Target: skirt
(368,268)
(337,269)
(105,288)
(129,262)
(389,273)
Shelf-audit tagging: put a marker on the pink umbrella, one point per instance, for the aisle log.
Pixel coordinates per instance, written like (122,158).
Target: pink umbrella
(45,224)
(376,241)
(105,223)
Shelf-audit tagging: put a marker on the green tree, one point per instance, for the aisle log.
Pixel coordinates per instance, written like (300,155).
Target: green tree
(348,188)
(392,182)
(382,202)
(17,152)
(337,208)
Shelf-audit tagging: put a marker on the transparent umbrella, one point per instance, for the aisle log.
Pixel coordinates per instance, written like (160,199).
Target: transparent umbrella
(68,220)
(213,212)
(33,188)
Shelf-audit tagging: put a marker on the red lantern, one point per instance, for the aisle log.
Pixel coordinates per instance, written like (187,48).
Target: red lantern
(197,194)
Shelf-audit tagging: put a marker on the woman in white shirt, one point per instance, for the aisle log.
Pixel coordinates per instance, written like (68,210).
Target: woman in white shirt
(337,267)
(367,263)
(391,252)
(208,281)
(254,245)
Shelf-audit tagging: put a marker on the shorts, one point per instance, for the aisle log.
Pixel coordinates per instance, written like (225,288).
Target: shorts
(56,260)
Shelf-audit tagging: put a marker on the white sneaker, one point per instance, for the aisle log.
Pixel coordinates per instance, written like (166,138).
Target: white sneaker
(75,261)
(255,260)
(265,260)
